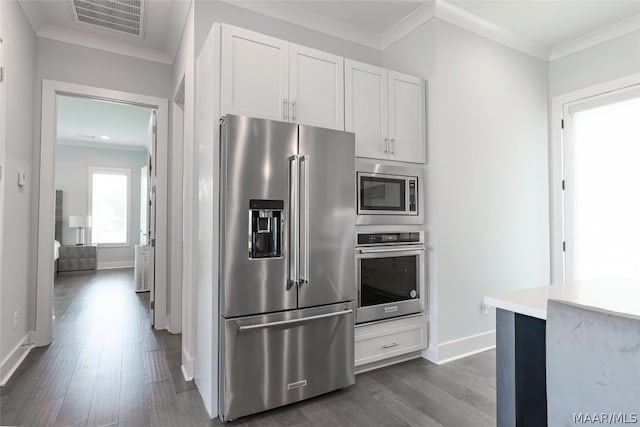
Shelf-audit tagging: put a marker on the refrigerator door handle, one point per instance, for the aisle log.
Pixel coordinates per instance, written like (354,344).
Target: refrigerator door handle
(294,220)
(305,164)
(293,321)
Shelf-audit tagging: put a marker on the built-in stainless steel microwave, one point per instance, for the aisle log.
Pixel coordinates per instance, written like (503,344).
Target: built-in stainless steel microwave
(389,194)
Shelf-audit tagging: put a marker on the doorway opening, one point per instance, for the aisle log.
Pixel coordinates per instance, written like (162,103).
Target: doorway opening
(104,178)
(105,206)
(601,161)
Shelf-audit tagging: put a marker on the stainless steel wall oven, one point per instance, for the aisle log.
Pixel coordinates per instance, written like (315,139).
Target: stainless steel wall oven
(390,275)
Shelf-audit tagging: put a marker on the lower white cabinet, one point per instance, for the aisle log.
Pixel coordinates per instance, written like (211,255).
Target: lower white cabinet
(375,342)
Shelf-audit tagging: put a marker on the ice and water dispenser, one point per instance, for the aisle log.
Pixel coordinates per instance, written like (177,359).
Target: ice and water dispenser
(265,227)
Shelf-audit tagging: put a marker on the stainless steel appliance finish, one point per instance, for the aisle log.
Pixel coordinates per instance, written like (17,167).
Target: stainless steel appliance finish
(327,209)
(389,194)
(274,359)
(253,166)
(390,275)
(287,280)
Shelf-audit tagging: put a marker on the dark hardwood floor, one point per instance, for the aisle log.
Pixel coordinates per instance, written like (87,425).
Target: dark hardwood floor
(107,367)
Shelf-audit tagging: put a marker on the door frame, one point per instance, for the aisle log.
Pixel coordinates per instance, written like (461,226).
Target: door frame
(3,113)
(44,279)
(556,169)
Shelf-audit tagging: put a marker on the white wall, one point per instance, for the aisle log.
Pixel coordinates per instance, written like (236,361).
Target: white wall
(488,173)
(182,302)
(210,11)
(72,177)
(16,271)
(613,59)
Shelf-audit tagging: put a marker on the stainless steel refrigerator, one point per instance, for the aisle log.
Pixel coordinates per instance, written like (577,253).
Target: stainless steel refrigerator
(287,278)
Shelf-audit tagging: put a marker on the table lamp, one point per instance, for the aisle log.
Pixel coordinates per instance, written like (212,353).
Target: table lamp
(80,222)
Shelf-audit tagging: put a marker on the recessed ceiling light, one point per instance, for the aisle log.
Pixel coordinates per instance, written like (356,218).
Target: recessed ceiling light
(105,137)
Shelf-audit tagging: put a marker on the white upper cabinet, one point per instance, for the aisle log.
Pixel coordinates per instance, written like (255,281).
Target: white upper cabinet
(406,118)
(266,77)
(316,87)
(269,78)
(386,110)
(255,74)
(366,107)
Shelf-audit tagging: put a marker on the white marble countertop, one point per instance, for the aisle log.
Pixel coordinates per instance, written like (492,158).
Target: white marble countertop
(619,295)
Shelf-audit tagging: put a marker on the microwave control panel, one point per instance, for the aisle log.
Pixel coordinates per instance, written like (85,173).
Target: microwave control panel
(413,205)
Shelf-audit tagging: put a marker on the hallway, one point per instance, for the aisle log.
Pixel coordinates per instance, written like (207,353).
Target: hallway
(106,366)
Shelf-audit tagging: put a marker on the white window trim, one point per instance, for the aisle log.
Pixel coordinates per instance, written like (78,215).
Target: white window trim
(111,171)
(558,105)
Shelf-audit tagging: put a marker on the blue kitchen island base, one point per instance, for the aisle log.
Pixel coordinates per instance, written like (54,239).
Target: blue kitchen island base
(520,370)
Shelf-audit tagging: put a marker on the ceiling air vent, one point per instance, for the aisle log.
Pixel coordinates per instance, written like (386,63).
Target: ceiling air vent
(124,16)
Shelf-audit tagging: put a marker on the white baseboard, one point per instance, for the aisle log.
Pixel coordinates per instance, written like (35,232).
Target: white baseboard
(187,365)
(110,265)
(13,360)
(457,349)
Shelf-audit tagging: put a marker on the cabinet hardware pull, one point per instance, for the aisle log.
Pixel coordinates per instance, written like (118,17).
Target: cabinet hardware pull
(393,344)
(393,146)
(285,109)
(293,111)
(386,145)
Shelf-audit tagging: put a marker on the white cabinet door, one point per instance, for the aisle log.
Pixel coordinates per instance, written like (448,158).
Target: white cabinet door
(366,108)
(255,74)
(407,139)
(316,88)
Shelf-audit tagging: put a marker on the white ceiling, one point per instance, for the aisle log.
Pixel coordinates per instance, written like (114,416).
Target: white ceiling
(545,29)
(83,121)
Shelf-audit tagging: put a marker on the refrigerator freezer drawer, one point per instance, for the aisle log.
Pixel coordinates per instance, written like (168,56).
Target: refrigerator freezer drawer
(276,359)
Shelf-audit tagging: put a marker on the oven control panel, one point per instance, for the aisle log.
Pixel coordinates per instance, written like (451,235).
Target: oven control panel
(388,238)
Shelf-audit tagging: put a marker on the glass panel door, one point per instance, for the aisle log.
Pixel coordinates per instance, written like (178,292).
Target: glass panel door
(602,187)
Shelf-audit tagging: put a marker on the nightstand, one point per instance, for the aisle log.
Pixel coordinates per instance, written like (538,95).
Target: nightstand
(77,257)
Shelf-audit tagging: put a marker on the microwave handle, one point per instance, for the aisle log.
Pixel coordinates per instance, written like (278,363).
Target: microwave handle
(396,249)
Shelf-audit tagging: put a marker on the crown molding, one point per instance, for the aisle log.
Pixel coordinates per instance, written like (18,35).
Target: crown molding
(93,41)
(433,8)
(608,33)
(471,22)
(310,20)
(409,23)
(102,145)
(176,26)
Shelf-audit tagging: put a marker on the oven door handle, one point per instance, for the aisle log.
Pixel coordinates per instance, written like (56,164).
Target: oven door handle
(394,249)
